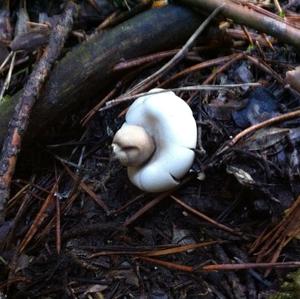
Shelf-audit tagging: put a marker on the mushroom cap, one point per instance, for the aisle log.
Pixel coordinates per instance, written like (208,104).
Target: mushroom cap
(170,122)
(132,146)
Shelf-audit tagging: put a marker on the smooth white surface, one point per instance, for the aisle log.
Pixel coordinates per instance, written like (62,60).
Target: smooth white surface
(169,120)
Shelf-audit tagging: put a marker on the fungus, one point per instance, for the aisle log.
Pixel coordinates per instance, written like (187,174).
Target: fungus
(157,140)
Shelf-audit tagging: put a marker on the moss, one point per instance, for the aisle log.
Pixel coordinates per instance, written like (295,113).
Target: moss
(290,289)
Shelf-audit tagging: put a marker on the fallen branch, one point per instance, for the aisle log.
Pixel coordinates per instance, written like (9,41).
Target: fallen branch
(31,91)
(257,18)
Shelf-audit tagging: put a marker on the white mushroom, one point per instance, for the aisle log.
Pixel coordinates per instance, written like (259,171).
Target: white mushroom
(157,140)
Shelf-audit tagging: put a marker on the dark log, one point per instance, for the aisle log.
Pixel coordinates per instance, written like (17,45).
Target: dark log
(87,69)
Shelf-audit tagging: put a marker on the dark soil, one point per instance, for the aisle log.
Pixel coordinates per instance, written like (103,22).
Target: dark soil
(77,228)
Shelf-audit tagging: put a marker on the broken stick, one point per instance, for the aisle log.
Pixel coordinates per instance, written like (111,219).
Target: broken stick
(31,92)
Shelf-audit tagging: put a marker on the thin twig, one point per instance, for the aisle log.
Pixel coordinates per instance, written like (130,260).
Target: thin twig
(96,108)
(39,218)
(204,87)
(46,26)
(266,68)
(269,42)
(266,123)
(6,60)
(147,207)
(239,34)
(246,32)
(169,250)
(8,76)
(144,84)
(220,267)
(223,68)
(154,202)
(58,226)
(197,67)
(85,188)
(203,216)
(166,264)
(124,65)
(246,266)
(278,8)
(108,20)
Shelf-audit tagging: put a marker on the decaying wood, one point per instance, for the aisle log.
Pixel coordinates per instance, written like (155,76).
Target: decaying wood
(31,91)
(257,18)
(87,69)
